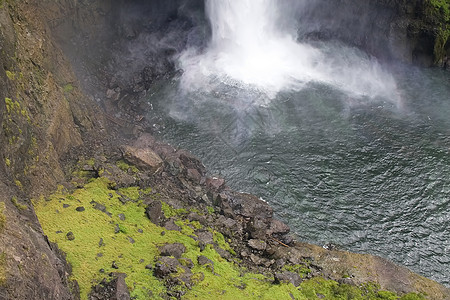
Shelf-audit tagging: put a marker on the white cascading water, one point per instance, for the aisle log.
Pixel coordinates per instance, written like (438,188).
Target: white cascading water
(250,51)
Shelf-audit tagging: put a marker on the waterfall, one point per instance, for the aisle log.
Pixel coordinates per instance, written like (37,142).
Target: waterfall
(249,49)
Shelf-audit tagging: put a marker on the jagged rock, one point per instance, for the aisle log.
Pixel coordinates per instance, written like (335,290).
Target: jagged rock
(121,217)
(215,184)
(193,216)
(204,261)
(194,175)
(175,250)
(251,206)
(278,228)
(186,262)
(205,236)
(114,174)
(258,227)
(170,225)
(257,244)
(154,212)
(143,158)
(165,266)
(288,277)
(114,289)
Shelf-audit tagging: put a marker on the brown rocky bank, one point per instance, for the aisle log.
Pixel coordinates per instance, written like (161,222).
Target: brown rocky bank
(51,117)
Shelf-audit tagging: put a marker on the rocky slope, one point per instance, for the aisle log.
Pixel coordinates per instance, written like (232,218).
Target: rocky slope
(51,119)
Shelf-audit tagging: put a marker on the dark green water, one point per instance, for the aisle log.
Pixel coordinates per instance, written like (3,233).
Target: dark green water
(370,175)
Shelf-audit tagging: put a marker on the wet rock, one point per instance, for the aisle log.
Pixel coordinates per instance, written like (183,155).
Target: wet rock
(175,250)
(258,227)
(288,277)
(70,236)
(170,225)
(257,244)
(154,212)
(251,206)
(80,209)
(143,158)
(278,228)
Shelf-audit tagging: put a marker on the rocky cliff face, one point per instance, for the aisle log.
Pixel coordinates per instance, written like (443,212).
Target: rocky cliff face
(407,31)
(43,114)
(71,72)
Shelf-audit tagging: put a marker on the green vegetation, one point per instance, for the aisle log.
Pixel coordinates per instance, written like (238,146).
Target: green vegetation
(10,75)
(68,88)
(439,13)
(18,205)
(2,269)
(126,167)
(102,237)
(2,216)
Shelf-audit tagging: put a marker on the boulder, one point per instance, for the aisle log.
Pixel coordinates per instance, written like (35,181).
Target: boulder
(175,250)
(154,212)
(143,158)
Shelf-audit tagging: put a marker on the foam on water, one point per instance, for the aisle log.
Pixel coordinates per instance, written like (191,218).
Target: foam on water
(249,50)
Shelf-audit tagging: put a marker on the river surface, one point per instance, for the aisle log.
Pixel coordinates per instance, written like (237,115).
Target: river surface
(371,175)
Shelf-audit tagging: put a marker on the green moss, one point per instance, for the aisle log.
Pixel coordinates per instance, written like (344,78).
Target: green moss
(68,88)
(8,162)
(131,193)
(17,204)
(302,270)
(126,167)
(170,212)
(10,75)
(2,216)
(9,104)
(2,269)
(438,12)
(18,184)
